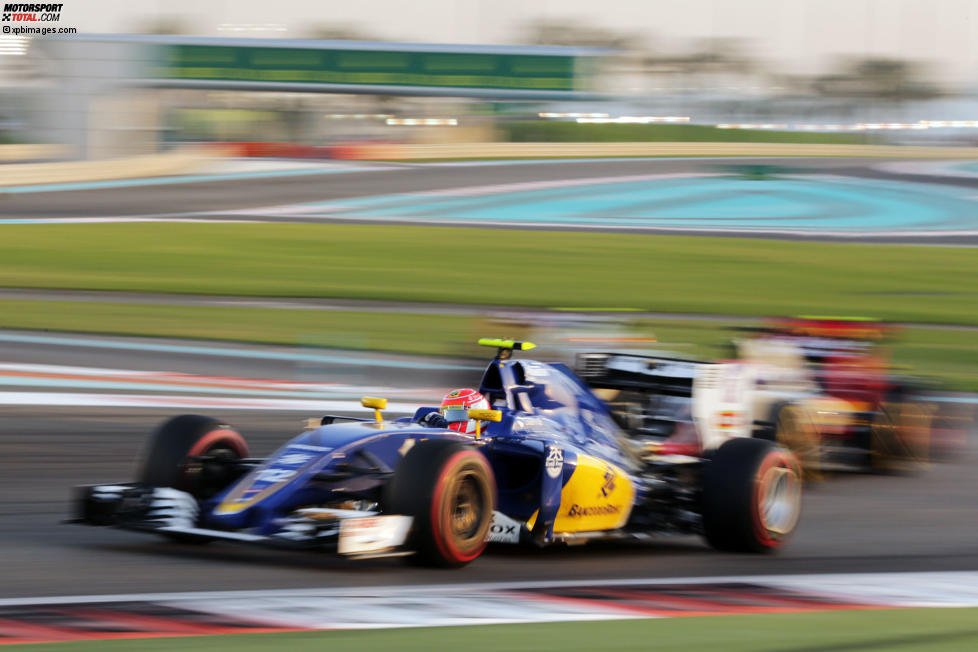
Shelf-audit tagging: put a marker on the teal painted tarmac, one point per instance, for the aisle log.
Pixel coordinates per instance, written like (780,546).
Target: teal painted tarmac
(814,204)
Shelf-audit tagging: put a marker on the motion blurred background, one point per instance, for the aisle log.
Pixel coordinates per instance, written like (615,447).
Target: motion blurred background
(141,78)
(289,93)
(247,208)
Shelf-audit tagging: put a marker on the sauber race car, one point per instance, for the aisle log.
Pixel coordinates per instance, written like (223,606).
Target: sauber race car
(546,464)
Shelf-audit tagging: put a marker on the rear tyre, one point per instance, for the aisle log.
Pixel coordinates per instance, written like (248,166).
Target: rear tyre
(751,498)
(900,435)
(449,489)
(795,429)
(173,456)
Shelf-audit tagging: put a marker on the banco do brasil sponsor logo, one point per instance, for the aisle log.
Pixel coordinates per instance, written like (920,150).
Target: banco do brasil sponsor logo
(593,510)
(19,12)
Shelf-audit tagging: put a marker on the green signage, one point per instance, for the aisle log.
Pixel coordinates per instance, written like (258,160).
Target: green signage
(369,67)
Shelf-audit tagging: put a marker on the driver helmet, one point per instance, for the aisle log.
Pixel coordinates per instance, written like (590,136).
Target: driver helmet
(464,399)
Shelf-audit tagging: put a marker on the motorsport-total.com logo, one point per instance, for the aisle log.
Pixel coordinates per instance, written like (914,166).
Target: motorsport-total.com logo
(31,13)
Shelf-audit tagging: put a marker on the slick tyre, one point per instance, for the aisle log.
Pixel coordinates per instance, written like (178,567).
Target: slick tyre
(449,489)
(751,497)
(795,429)
(900,435)
(174,452)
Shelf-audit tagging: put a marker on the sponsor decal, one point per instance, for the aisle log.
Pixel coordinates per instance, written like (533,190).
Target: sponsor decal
(555,461)
(609,482)
(503,529)
(282,469)
(307,447)
(271,476)
(372,534)
(578,511)
(294,459)
(727,419)
(529,424)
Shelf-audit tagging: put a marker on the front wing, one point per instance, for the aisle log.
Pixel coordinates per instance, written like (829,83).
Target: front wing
(175,513)
(351,533)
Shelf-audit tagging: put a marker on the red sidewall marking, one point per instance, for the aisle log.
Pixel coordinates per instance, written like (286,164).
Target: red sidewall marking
(446,545)
(227,436)
(772,459)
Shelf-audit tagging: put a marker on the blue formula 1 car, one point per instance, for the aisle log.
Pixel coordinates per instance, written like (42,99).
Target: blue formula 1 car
(547,465)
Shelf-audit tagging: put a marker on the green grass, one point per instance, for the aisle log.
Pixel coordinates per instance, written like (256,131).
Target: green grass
(949,356)
(905,630)
(394,332)
(539,131)
(531,268)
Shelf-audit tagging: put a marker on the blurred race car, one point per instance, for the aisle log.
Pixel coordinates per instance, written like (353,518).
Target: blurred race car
(547,464)
(827,387)
(818,386)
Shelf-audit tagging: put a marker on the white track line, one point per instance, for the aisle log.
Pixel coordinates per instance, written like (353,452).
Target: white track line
(67,399)
(935,168)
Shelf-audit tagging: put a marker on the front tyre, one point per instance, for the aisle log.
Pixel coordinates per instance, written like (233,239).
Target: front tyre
(194,454)
(449,489)
(751,498)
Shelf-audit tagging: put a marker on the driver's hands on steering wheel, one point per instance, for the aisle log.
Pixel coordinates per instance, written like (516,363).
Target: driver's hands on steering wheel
(433,420)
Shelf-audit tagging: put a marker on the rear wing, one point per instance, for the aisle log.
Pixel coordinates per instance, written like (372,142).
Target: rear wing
(645,373)
(721,394)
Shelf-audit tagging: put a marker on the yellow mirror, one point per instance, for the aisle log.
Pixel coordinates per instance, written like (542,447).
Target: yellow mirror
(377,404)
(486,415)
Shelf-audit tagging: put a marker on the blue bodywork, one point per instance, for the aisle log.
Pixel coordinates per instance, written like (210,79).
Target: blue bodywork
(547,413)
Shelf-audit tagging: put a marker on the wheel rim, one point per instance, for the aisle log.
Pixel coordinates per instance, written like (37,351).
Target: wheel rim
(198,478)
(780,499)
(467,508)
(901,436)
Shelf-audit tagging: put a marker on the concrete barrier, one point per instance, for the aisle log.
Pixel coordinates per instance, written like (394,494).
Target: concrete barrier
(554,150)
(183,161)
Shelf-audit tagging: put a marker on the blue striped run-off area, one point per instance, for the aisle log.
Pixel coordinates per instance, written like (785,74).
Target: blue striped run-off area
(714,203)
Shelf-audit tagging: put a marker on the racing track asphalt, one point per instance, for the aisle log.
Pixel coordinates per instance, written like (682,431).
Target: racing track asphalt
(227,195)
(218,199)
(852,523)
